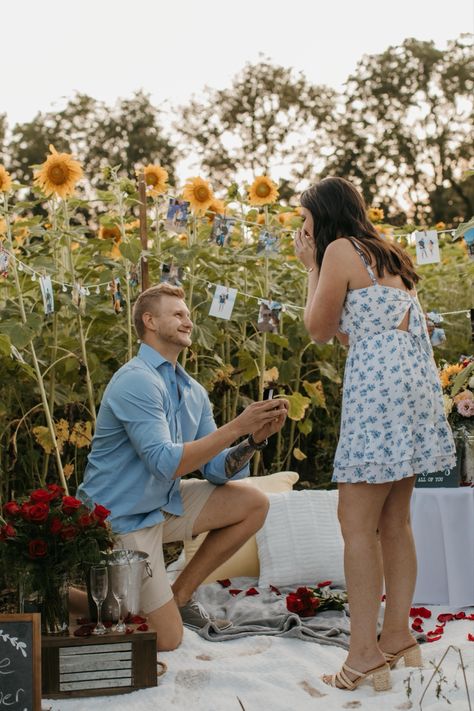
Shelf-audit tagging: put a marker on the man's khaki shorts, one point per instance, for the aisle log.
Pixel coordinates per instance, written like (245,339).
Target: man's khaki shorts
(156,591)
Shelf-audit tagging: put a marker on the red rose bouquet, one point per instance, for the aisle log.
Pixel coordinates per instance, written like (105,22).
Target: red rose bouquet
(307,602)
(46,537)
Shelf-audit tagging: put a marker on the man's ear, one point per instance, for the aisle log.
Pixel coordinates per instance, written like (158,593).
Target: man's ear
(147,319)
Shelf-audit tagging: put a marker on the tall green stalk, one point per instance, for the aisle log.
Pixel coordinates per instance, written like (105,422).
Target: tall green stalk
(190,294)
(82,339)
(263,349)
(128,299)
(39,377)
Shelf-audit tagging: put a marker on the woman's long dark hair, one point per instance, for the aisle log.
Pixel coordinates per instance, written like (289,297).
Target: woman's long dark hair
(339,210)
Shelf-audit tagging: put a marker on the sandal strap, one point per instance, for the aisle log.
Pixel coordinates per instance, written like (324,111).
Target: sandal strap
(352,671)
(388,656)
(344,680)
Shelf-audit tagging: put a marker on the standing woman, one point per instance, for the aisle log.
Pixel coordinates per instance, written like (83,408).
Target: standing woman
(362,290)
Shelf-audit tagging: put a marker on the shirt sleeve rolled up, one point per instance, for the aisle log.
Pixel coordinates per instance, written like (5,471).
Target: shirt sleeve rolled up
(138,403)
(214,469)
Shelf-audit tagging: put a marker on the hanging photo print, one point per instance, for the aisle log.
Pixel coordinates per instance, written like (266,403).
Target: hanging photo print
(133,276)
(172,274)
(47,294)
(118,301)
(469,240)
(269,316)
(4,262)
(267,243)
(78,296)
(427,248)
(223,302)
(221,230)
(177,215)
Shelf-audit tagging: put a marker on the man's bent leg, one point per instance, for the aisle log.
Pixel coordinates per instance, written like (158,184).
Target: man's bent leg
(231,514)
(157,602)
(166,621)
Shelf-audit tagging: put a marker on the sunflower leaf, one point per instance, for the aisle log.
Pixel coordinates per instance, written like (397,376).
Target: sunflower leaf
(298,406)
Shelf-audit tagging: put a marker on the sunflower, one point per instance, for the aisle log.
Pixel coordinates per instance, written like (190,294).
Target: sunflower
(156,179)
(199,194)
(263,191)
(5,180)
(58,174)
(375,214)
(448,372)
(217,207)
(110,232)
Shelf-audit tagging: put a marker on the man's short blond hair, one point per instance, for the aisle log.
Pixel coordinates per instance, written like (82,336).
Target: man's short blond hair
(147,302)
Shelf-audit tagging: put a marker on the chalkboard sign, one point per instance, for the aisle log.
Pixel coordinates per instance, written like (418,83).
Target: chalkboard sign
(20,662)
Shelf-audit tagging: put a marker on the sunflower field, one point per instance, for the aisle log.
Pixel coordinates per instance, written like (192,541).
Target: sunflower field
(72,261)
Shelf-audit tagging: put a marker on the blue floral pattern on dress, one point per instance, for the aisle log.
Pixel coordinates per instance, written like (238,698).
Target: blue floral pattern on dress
(393,423)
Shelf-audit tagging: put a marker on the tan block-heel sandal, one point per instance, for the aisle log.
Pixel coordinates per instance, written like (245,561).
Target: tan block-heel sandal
(380,678)
(411,656)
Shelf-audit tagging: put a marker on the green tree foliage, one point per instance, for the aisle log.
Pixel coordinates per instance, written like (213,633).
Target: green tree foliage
(126,134)
(405,128)
(262,121)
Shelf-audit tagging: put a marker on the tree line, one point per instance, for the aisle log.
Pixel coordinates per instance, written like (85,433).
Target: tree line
(401,129)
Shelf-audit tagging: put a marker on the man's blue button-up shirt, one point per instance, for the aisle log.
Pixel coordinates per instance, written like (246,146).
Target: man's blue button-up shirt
(149,410)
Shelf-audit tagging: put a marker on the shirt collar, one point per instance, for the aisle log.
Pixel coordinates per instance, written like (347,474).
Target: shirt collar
(155,359)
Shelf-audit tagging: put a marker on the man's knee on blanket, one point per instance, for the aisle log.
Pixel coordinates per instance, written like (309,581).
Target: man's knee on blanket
(166,621)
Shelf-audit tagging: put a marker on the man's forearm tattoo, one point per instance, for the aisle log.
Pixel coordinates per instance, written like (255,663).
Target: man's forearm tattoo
(238,457)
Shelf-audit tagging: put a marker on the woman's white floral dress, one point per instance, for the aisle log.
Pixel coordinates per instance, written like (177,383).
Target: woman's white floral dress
(393,422)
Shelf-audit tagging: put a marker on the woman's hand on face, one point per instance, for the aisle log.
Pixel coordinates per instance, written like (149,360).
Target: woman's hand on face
(304,249)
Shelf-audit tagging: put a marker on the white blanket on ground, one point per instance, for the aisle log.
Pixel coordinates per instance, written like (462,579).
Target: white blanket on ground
(281,674)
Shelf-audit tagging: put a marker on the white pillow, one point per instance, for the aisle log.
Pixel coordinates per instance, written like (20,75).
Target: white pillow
(301,541)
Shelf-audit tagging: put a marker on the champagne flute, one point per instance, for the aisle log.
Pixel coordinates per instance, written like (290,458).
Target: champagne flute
(99,586)
(119,581)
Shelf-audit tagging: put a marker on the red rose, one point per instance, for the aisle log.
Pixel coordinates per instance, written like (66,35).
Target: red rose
(7,531)
(11,509)
(38,512)
(294,603)
(85,520)
(70,504)
(41,496)
(56,491)
(37,548)
(68,533)
(100,512)
(25,509)
(56,525)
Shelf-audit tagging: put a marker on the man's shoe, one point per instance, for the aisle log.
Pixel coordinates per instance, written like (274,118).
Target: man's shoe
(195,617)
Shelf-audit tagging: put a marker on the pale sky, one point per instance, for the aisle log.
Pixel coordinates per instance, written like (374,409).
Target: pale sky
(172,49)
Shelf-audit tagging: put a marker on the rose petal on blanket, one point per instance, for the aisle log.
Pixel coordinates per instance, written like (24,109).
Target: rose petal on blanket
(470,637)
(445,617)
(275,590)
(225,583)
(235,592)
(252,591)
(433,639)
(326,584)
(460,615)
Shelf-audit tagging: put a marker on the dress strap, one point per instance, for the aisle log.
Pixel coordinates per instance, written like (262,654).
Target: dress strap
(365,261)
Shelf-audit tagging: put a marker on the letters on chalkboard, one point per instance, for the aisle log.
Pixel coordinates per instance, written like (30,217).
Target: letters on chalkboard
(20,662)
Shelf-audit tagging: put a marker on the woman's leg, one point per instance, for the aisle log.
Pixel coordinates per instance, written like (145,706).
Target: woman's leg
(399,560)
(360,507)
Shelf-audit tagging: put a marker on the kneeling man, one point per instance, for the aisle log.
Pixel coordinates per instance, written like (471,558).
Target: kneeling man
(155,425)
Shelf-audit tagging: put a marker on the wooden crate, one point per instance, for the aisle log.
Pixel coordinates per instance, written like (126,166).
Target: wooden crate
(96,666)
